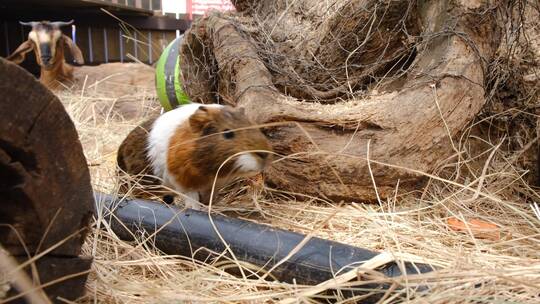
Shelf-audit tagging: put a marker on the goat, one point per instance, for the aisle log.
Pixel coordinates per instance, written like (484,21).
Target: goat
(48,42)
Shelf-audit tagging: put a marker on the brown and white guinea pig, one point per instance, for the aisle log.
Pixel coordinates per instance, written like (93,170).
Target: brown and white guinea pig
(184,148)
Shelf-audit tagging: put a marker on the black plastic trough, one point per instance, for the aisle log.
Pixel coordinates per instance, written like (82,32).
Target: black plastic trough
(188,231)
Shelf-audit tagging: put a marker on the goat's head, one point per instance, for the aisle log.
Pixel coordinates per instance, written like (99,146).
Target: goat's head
(47,42)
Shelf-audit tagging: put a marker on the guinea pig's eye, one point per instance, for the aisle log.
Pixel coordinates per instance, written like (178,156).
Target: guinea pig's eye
(228,134)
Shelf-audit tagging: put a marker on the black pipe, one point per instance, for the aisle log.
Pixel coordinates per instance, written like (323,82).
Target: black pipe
(260,245)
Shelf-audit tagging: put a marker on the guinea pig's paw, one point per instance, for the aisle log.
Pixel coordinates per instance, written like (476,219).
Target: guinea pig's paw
(194,205)
(192,201)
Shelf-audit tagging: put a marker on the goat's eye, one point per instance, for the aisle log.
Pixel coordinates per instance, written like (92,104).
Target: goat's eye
(228,134)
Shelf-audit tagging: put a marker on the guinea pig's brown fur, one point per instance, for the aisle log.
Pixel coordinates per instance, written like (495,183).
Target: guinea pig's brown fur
(197,148)
(194,163)
(132,159)
(132,152)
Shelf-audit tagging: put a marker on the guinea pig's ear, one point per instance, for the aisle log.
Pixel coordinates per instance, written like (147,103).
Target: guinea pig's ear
(200,119)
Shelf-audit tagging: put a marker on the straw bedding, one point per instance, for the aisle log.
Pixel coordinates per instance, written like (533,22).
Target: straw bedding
(472,270)
(487,178)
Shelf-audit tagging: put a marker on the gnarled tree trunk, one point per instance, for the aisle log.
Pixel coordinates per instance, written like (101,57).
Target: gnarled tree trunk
(389,81)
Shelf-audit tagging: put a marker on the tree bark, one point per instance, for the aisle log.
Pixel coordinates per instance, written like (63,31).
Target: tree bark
(410,122)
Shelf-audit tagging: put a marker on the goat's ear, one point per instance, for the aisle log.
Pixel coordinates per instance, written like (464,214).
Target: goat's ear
(74,49)
(20,53)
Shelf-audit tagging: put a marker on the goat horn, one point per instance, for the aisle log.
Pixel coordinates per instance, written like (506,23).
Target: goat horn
(31,23)
(62,23)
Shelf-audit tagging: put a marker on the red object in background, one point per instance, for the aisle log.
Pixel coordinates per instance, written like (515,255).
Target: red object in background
(194,7)
(189,10)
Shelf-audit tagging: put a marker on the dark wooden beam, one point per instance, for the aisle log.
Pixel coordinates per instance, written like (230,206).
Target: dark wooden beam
(122,7)
(93,18)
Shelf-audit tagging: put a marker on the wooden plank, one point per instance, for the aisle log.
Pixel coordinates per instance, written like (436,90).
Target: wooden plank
(157,45)
(90,45)
(100,19)
(145,4)
(13,35)
(4,40)
(82,42)
(125,7)
(121,45)
(128,46)
(113,43)
(150,47)
(163,41)
(106,44)
(169,37)
(153,49)
(156,5)
(98,45)
(136,43)
(142,46)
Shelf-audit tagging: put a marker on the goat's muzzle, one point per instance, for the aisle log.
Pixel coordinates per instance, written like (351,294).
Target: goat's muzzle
(45,55)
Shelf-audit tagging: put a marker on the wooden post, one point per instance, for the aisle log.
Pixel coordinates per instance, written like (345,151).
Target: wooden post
(45,193)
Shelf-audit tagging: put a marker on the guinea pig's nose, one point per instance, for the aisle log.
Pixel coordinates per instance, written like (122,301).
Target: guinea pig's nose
(262,155)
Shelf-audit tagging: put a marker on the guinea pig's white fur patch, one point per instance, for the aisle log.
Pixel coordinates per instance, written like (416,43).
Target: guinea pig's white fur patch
(161,133)
(248,163)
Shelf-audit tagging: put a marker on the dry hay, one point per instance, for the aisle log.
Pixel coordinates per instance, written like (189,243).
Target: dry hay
(115,79)
(473,270)
(484,179)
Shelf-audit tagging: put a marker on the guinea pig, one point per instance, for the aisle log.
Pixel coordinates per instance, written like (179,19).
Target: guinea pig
(183,149)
